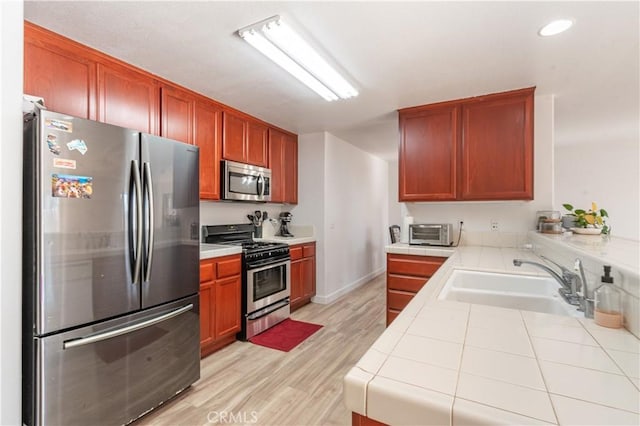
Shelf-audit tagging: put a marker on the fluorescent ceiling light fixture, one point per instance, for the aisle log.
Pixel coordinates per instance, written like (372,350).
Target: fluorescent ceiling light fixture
(277,41)
(555,27)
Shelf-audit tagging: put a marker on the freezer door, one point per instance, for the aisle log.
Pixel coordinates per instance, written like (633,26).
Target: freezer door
(172,220)
(78,226)
(113,372)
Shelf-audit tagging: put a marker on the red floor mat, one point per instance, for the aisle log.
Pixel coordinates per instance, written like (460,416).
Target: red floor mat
(286,335)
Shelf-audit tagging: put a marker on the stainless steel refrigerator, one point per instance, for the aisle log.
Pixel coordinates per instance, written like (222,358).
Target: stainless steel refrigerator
(111,267)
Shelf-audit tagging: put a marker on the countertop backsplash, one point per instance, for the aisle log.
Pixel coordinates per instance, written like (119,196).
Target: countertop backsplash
(595,252)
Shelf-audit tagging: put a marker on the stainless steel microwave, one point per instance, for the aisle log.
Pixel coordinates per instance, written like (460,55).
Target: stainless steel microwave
(245,182)
(431,234)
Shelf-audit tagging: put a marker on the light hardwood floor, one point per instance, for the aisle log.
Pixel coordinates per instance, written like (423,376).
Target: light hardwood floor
(251,384)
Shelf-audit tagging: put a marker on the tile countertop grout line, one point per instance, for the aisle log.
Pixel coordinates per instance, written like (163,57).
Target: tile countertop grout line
(464,345)
(544,380)
(609,355)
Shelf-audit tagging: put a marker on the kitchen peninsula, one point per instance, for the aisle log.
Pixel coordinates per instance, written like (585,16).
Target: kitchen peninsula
(446,362)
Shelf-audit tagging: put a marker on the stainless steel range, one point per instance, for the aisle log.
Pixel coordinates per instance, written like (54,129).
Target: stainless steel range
(266,276)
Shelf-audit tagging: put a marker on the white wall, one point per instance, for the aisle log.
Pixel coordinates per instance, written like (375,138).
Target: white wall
(311,202)
(343,193)
(356,218)
(608,174)
(514,216)
(11,47)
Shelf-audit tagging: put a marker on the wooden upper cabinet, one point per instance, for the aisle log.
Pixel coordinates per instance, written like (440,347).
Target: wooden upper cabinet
(276,164)
(257,137)
(244,140)
(208,137)
(470,149)
(291,169)
(428,153)
(127,98)
(177,108)
(57,71)
(234,135)
(497,147)
(283,162)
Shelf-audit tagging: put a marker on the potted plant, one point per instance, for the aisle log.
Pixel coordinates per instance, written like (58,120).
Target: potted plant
(593,218)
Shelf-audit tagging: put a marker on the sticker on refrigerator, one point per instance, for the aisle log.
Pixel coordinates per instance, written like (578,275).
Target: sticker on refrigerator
(63,126)
(64,163)
(78,145)
(71,186)
(52,143)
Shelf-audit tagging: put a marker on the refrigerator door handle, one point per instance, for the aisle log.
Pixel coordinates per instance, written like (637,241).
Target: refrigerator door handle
(74,343)
(137,226)
(151,213)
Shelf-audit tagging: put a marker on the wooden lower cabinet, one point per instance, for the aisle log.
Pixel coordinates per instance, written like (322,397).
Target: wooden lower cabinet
(220,306)
(406,275)
(303,274)
(360,420)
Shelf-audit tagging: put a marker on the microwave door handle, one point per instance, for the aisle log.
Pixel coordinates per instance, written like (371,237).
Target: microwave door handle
(260,181)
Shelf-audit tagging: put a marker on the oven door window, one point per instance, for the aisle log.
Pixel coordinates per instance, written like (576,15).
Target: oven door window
(269,281)
(243,184)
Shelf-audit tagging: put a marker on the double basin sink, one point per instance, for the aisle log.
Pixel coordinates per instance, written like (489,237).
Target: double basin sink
(524,292)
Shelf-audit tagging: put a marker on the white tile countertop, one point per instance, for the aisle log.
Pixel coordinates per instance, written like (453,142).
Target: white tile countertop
(209,251)
(302,234)
(451,363)
(289,240)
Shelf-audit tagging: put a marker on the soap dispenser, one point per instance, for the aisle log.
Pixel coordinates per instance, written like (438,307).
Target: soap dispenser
(608,302)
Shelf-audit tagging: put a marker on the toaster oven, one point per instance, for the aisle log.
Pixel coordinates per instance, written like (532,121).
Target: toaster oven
(431,234)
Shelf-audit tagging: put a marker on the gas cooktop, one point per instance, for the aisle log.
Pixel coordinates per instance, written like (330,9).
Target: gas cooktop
(239,235)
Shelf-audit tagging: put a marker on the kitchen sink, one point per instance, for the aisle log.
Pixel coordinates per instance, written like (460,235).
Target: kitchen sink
(525,292)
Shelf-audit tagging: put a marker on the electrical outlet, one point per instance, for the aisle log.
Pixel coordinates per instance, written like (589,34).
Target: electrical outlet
(494,225)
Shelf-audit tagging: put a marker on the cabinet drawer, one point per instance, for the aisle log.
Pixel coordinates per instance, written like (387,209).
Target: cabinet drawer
(406,283)
(391,315)
(295,252)
(419,266)
(398,299)
(309,250)
(229,267)
(206,271)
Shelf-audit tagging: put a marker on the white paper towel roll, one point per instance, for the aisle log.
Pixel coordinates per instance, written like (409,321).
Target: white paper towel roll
(408,220)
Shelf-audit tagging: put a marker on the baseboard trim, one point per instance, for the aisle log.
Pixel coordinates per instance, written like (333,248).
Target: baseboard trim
(330,298)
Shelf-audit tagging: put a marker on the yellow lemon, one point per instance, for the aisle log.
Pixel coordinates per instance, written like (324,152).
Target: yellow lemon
(590,219)
(599,220)
(594,206)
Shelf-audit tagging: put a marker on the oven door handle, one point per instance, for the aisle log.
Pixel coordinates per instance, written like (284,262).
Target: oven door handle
(253,269)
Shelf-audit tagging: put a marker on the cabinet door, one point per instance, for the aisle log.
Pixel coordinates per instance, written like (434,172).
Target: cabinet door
(59,72)
(277,166)
(291,169)
(308,277)
(207,300)
(234,134)
(257,141)
(177,114)
(427,158)
(227,306)
(497,147)
(127,98)
(297,287)
(208,137)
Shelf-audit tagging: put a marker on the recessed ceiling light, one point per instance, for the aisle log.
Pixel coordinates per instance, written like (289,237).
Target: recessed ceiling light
(555,27)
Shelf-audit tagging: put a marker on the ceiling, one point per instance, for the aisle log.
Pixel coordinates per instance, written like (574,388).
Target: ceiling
(397,54)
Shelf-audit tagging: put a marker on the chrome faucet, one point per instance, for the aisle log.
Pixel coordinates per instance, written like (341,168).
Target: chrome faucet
(586,298)
(572,285)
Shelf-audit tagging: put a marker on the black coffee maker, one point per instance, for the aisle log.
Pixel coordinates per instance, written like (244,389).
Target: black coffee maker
(285,218)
